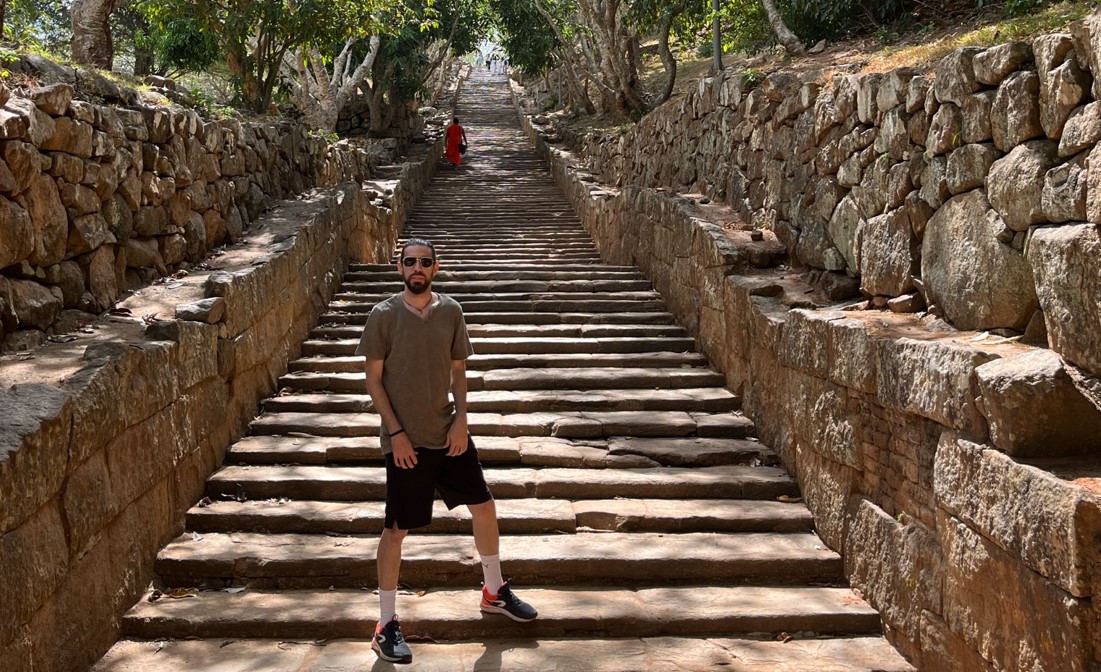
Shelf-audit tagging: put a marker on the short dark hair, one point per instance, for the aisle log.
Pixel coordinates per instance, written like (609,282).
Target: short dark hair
(418,242)
(454,120)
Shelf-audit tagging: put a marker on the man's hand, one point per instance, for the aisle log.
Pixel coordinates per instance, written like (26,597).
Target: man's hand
(404,455)
(457,437)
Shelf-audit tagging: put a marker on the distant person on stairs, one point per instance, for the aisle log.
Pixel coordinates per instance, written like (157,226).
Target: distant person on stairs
(456,142)
(416,346)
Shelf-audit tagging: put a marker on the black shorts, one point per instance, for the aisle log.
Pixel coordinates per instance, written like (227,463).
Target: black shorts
(411,492)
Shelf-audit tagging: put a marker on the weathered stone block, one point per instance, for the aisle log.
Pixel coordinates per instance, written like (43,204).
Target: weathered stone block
(845,229)
(968,167)
(935,380)
(956,76)
(963,236)
(35,558)
(16,233)
(996,63)
(1082,130)
(896,567)
(35,306)
(1065,191)
(828,488)
(51,222)
(1015,116)
(1064,260)
(1036,517)
(88,504)
(888,254)
(1015,184)
(982,578)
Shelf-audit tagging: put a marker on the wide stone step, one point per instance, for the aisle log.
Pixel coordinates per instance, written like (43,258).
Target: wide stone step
(613,558)
(543,265)
(494,332)
(704,400)
(584,286)
(479,362)
(466,273)
(622,452)
(581,378)
(630,654)
(484,304)
(564,424)
(361,483)
(563,611)
(354,302)
(516,516)
(339,315)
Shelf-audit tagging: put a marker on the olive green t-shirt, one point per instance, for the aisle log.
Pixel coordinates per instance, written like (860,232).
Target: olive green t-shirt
(416,371)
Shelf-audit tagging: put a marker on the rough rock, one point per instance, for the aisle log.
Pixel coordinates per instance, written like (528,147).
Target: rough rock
(845,230)
(1065,188)
(956,76)
(53,99)
(888,254)
(1035,410)
(968,167)
(1061,91)
(1064,260)
(16,233)
(1015,116)
(1082,130)
(1015,184)
(35,306)
(996,63)
(961,237)
(51,222)
(209,310)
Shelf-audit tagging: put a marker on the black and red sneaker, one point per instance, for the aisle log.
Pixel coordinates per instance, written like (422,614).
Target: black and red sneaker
(389,644)
(505,602)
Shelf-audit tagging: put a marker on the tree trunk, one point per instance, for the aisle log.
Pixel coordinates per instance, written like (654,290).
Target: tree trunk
(667,58)
(92,33)
(566,61)
(786,37)
(3,6)
(717,38)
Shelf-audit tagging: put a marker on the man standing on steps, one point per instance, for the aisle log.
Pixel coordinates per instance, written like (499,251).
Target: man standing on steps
(416,346)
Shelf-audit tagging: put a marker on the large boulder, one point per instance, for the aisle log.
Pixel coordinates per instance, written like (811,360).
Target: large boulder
(961,238)
(1034,408)
(1066,261)
(1016,183)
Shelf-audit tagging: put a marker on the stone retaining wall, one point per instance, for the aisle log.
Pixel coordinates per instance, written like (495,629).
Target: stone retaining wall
(99,463)
(900,184)
(96,200)
(909,438)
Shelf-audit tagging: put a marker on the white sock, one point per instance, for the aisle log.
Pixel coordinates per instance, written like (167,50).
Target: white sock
(491,572)
(388,604)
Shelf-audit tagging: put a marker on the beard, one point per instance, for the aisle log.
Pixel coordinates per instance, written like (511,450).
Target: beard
(423,286)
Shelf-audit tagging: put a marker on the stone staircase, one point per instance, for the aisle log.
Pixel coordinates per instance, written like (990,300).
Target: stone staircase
(637,512)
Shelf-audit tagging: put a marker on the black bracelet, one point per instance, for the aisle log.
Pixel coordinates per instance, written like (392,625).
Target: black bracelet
(393,434)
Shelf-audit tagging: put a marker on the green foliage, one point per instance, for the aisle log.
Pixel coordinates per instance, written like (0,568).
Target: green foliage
(525,34)
(42,24)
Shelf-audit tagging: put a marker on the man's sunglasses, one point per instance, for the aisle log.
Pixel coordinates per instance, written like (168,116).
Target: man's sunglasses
(410,262)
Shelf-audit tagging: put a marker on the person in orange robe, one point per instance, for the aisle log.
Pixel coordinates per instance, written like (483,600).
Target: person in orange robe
(456,136)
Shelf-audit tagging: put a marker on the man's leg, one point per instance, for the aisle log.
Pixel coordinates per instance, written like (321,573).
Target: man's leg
(388,562)
(487,539)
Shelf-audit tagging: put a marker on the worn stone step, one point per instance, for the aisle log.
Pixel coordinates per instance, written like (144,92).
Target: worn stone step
(338,315)
(453,614)
(483,304)
(517,516)
(706,400)
(482,362)
(564,424)
(363,302)
(494,332)
(466,273)
(631,654)
(545,265)
(583,286)
(369,483)
(612,558)
(628,452)
(581,378)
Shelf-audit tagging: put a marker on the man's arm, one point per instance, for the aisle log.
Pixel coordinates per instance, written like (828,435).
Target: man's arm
(457,434)
(404,455)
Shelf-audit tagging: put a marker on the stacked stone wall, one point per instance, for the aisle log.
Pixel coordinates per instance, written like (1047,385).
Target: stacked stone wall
(96,200)
(108,439)
(954,468)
